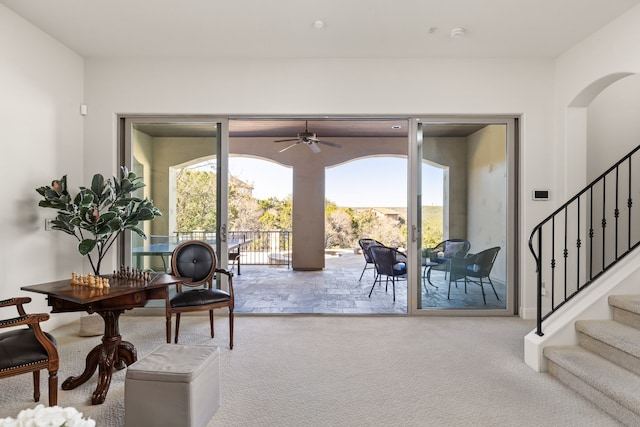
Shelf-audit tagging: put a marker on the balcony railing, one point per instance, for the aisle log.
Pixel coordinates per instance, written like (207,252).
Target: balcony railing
(256,247)
(586,236)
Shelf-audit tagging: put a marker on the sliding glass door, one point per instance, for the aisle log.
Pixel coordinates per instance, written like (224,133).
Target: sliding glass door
(183,161)
(464,176)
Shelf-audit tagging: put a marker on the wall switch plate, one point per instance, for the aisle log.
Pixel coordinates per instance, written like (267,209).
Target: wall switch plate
(48,224)
(540,194)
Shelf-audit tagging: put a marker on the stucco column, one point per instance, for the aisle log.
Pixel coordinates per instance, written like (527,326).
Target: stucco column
(308,216)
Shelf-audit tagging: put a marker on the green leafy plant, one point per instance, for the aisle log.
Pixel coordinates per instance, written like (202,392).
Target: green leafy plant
(96,216)
(427,252)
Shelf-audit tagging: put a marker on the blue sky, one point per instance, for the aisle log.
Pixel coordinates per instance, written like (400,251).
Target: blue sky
(377,181)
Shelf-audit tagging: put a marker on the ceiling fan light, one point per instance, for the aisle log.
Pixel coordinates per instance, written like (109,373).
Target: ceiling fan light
(314,147)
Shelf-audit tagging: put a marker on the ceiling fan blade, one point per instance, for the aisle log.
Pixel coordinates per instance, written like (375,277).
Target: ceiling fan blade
(314,147)
(331,144)
(286,140)
(286,148)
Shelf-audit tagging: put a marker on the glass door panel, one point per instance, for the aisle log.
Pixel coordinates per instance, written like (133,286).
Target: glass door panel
(181,161)
(465,193)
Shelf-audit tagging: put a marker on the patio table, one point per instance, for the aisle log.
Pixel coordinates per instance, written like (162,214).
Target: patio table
(165,249)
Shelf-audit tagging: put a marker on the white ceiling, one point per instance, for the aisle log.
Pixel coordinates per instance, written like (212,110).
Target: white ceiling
(353,28)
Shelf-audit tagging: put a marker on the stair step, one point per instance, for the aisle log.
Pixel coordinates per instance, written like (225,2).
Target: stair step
(607,385)
(614,341)
(626,309)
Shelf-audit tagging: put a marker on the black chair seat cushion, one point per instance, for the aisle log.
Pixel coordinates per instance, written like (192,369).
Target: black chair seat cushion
(20,347)
(198,297)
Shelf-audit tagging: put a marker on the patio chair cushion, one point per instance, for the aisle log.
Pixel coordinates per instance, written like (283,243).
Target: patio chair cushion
(452,248)
(400,267)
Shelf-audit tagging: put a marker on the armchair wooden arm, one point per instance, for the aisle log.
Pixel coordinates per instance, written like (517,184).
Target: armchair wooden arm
(229,275)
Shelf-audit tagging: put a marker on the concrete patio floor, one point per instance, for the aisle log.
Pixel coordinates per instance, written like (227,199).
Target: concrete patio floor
(337,290)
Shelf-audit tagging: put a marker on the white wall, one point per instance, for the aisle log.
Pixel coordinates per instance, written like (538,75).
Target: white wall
(613,50)
(594,68)
(332,86)
(613,124)
(487,194)
(41,87)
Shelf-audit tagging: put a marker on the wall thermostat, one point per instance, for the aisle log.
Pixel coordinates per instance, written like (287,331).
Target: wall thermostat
(540,194)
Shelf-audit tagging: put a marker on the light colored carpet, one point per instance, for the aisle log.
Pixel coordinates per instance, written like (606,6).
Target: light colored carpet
(344,371)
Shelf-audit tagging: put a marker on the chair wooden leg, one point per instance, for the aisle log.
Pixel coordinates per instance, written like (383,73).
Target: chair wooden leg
(211,323)
(53,388)
(36,386)
(231,329)
(177,326)
(168,329)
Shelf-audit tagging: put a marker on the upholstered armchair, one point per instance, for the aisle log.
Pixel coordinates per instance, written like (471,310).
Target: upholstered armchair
(28,349)
(197,261)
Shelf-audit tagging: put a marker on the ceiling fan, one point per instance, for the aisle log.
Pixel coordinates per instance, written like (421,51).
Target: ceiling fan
(309,139)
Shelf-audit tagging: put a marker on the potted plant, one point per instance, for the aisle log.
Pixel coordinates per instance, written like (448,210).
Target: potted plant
(427,255)
(97,215)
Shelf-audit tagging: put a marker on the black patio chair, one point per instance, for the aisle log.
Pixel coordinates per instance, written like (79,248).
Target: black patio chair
(390,263)
(451,248)
(475,268)
(365,244)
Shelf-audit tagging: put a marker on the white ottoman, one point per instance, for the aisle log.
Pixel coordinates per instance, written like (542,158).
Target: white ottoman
(175,385)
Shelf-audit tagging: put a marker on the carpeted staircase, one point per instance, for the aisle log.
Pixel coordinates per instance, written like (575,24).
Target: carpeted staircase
(605,366)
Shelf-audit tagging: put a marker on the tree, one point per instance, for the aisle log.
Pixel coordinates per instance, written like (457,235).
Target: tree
(338,230)
(244,213)
(382,228)
(196,200)
(278,214)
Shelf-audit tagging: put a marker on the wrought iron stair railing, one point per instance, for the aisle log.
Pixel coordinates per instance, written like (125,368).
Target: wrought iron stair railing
(586,236)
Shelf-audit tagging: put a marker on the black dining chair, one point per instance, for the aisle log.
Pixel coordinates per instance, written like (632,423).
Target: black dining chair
(196,260)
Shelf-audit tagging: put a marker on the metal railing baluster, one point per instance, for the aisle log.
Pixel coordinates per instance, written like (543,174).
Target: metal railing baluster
(558,228)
